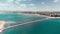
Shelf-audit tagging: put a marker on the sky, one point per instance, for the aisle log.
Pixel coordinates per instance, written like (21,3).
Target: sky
(30,5)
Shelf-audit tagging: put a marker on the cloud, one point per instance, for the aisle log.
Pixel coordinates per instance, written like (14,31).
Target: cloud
(18,1)
(29,0)
(21,0)
(22,7)
(3,5)
(55,1)
(10,1)
(32,5)
(42,3)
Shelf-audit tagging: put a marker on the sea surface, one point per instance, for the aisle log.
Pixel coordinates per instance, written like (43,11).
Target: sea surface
(48,26)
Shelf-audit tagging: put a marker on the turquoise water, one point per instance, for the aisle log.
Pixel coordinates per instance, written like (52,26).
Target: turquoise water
(18,18)
(49,26)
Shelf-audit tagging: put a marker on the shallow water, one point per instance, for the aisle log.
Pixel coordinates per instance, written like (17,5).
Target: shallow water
(18,17)
(49,26)
(13,19)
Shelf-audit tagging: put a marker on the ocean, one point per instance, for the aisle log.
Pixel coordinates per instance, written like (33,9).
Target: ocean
(48,26)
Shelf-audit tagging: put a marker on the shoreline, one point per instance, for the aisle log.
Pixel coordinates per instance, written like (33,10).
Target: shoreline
(53,17)
(41,15)
(31,15)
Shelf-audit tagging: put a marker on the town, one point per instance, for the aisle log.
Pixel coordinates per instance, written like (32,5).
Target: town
(46,13)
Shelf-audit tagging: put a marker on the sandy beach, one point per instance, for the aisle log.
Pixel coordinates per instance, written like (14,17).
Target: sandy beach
(2,26)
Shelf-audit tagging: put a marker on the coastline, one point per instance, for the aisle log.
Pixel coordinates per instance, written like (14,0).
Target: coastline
(53,17)
(40,15)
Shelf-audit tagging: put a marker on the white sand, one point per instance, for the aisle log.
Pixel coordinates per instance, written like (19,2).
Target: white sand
(1,25)
(54,17)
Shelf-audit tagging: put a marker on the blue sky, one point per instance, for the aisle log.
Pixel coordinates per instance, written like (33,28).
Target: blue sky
(30,5)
